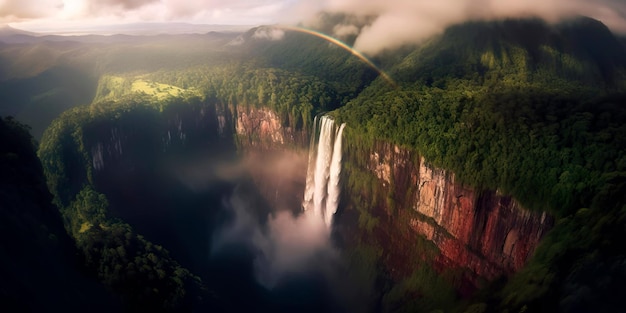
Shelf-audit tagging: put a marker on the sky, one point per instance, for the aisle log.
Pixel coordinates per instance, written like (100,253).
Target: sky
(397,22)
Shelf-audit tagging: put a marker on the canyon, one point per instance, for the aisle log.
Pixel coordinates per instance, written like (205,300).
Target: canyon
(483,233)
(480,232)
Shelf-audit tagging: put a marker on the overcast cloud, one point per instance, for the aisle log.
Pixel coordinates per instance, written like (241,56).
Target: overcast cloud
(398,21)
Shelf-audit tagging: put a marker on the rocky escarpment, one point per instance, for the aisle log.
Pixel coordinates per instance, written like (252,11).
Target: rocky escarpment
(484,232)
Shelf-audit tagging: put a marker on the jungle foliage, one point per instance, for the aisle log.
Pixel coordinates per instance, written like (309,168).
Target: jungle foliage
(501,117)
(39,265)
(142,273)
(533,111)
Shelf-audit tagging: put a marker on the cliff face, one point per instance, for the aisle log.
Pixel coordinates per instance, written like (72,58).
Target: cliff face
(129,141)
(274,155)
(484,232)
(262,129)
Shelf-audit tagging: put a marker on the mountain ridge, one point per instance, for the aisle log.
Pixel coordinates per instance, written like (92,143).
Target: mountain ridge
(573,49)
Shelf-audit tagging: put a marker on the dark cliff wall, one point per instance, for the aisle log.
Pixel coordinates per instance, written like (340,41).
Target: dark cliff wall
(136,136)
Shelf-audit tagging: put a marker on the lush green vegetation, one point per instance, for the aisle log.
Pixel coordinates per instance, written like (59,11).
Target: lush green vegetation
(41,79)
(579,266)
(475,120)
(534,112)
(311,56)
(144,274)
(115,87)
(38,263)
(295,97)
(571,147)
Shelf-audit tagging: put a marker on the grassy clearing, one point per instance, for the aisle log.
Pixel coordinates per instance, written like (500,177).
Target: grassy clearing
(158,90)
(113,87)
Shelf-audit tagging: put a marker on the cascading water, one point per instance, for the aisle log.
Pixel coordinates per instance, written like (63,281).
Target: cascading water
(321,196)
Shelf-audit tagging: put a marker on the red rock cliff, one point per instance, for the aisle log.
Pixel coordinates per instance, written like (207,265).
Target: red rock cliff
(263,129)
(484,232)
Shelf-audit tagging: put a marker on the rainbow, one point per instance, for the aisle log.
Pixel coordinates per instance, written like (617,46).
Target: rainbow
(342,45)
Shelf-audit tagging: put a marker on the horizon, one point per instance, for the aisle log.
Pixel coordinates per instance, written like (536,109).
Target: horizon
(135,29)
(377,26)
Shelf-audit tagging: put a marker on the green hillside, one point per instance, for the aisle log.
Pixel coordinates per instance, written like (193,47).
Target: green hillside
(475,98)
(46,76)
(39,265)
(142,273)
(534,111)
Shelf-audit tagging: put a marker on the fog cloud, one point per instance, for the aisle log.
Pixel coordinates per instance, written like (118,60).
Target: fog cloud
(269,33)
(400,22)
(343,30)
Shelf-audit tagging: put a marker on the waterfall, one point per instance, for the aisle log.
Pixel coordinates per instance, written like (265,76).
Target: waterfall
(334,190)
(321,195)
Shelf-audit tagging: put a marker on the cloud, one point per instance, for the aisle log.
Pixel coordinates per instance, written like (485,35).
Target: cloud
(270,33)
(344,30)
(122,4)
(15,10)
(400,22)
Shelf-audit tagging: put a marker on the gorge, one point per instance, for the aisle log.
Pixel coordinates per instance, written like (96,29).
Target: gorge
(481,234)
(284,171)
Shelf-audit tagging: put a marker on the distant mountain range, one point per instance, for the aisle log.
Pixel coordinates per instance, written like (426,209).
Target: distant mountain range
(116,33)
(137,29)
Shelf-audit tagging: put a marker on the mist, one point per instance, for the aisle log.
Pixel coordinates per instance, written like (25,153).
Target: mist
(287,252)
(283,243)
(284,238)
